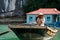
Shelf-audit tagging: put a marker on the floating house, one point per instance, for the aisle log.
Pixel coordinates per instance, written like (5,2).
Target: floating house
(51,15)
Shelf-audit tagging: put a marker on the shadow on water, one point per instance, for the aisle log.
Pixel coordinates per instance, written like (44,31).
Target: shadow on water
(29,33)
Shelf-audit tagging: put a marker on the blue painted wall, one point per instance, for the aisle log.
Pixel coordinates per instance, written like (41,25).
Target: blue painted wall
(48,19)
(31,20)
(59,18)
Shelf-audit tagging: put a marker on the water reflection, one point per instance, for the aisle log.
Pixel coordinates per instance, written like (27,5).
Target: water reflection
(30,36)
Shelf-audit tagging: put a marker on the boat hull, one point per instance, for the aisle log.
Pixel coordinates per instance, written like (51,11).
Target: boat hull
(29,33)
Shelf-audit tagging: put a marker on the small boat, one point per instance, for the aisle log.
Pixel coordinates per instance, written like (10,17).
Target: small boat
(31,32)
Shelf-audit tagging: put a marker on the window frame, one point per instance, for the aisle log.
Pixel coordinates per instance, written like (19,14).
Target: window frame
(30,18)
(49,18)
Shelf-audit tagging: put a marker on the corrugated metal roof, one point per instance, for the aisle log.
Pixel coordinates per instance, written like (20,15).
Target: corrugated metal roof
(45,11)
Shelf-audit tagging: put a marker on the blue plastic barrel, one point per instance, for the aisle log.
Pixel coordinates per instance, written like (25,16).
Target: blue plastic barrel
(57,24)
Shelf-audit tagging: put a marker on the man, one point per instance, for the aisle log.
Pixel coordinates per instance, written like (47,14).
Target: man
(40,20)
(50,31)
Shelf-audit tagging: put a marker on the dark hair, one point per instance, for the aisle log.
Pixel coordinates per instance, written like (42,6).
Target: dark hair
(40,17)
(37,18)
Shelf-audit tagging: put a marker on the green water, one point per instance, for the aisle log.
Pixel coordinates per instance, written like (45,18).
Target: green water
(12,36)
(31,36)
(8,36)
(57,36)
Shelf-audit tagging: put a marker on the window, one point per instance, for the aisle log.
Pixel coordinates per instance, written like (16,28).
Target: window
(30,18)
(48,18)
(58,19)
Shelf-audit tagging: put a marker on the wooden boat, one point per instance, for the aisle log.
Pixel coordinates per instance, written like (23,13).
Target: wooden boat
(51,31)
(29,28)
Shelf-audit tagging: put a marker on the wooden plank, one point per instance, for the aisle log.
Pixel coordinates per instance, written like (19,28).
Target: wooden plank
(26,26)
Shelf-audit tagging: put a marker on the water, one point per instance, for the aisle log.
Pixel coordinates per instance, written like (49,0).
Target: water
(8,36)
(30,36)
(24,36)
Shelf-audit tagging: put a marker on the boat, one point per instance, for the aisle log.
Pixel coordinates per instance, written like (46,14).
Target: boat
(31,32)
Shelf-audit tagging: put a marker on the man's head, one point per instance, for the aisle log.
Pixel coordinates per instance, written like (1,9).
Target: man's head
(39,19)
